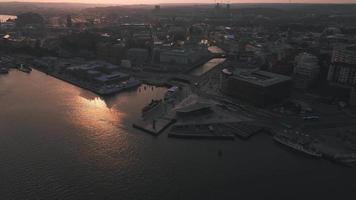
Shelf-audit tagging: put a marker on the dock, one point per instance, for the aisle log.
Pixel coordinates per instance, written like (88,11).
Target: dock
(243,130)
(218,130)
(201,136)
(154,127)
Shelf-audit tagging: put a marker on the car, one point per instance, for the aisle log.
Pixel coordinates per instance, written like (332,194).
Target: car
(311,117)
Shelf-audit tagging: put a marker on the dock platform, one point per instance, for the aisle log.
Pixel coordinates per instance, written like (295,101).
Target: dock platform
(223,130)
(154,128)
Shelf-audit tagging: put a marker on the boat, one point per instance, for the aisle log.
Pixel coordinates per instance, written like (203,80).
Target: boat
(25,69)
(151,106)
(171,93)
(4,70)
(297,144)
(115,88)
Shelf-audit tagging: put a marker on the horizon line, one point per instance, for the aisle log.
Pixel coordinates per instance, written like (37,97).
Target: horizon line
(190,3)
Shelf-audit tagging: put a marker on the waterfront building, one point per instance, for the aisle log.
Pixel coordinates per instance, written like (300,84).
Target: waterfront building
(194,110)
(107,79)
(256,86)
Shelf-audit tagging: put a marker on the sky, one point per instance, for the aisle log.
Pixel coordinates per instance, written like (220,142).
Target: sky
(185,1)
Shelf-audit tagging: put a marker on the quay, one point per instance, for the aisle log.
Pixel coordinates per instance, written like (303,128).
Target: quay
(78,83)
(217,130)
(201,136)
(156,127)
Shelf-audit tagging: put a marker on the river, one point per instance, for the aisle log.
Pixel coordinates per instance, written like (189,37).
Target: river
(61,142)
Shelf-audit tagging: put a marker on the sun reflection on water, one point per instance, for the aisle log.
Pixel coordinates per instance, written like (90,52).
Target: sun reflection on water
(103,125)
(94,114)
(103,131)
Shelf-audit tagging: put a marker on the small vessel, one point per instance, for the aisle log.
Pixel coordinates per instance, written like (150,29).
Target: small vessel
(4,70)
(297,144)
(25,69)
(151,106)
(171,93)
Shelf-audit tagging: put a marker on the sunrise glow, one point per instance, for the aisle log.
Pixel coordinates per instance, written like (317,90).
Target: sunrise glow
(127,2)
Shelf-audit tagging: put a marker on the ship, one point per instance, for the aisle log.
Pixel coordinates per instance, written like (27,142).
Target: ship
(171,93)
(115,88)
(151,106)
(297,144)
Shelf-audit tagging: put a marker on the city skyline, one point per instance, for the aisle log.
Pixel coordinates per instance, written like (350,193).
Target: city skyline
(177,99)
(128,2)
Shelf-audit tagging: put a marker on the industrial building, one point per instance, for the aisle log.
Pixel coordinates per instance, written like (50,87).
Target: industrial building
(255,86)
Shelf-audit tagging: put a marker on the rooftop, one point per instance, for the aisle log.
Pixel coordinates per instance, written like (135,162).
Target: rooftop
(259,77)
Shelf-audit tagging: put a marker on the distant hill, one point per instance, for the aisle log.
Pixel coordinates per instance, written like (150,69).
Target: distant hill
(15,8)
(269,9)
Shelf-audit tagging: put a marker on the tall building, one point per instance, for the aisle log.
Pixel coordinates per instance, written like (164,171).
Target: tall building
(342,70)
(306,70)
(343,66)
(69,21)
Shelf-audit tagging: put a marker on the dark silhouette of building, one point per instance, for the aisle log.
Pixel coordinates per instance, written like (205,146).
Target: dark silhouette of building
(257,87)
(69,21)
(29,19)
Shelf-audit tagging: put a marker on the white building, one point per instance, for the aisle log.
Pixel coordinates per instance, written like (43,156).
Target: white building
(306,70)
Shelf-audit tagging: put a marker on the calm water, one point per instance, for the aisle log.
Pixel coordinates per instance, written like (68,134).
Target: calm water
(4,18)
(61,142)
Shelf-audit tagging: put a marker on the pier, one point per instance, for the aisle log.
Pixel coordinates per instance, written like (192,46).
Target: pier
(218,130)
(154,127)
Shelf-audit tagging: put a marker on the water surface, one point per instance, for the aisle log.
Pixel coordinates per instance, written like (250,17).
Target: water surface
(61,142)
